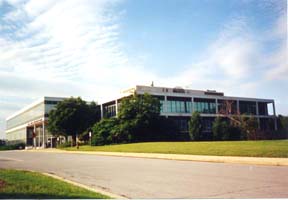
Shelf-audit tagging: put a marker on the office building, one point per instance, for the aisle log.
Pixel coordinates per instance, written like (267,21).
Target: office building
(176,103)
(31,121)
(179,103)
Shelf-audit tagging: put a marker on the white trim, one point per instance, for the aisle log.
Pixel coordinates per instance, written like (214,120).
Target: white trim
(16,128)
(35,103)
(25,125)
(25,108)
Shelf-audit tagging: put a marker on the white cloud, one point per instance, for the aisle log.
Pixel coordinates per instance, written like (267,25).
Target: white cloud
(241,63)
(277,60)
(279,66)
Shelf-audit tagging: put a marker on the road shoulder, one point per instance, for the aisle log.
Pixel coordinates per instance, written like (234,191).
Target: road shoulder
(216,159)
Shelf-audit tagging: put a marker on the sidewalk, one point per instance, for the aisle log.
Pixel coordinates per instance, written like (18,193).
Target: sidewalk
(199,158)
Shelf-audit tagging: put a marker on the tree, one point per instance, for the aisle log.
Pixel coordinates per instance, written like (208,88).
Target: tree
(220,129)
(104,131)
(72,116)
(243,126)
(139,116)
(250,127)
(282,123)
(195,126)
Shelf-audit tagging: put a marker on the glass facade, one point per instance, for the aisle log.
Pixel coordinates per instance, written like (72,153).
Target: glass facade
(262,108)
(33,113)
(49,105)
(205,105)
(247,107)
(207,123)
(182,124)
(110,110)
(176,105)
(227,106)
(162,103)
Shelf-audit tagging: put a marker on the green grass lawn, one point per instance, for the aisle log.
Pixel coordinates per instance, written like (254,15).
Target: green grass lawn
(27,185)
(267,148)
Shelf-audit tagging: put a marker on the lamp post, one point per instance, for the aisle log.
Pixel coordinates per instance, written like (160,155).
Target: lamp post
(90,135)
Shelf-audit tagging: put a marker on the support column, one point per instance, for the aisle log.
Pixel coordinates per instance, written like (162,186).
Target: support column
(51,141)
(43,141)
(238,107)
(192,106)
(257,109)
(275,117)
(257,114)
(116,106)
(101,110)
(274,111)
(216,101)
(39,139)
(34,138)
(165,106)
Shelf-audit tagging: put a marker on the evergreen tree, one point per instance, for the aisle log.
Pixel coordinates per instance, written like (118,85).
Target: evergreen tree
(195,126)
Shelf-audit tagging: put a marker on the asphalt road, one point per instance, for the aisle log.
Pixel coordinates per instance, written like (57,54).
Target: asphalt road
(155,178)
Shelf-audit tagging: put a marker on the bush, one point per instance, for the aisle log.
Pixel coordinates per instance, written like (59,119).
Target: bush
(13,146)
(63,145)
(220,129)
(195,127)
(105,132)
(235,133)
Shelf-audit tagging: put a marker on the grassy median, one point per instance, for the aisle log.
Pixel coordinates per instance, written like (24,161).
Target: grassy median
(26,185)
(267,148)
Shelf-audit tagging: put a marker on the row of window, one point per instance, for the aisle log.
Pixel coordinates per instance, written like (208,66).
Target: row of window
(186,107)
(172,106)
(176,106)
(247,107)
(110,111)
(183,124)
(205,107)
(51,102)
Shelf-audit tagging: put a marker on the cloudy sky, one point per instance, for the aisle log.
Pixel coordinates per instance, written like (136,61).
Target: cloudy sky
(96,48)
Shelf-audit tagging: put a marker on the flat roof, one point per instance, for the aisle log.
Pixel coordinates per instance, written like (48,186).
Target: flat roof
(190,92)
(169,91)
(31,105)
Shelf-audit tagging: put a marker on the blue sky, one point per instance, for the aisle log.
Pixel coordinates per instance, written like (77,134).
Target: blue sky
(94,49)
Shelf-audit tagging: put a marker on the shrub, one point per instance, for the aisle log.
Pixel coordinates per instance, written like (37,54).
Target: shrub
(220,129)
(63,145)
(195,126)
(105,132)
(235,133)
(13,146)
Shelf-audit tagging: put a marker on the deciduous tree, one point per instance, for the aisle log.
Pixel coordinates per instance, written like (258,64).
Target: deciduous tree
(72,116)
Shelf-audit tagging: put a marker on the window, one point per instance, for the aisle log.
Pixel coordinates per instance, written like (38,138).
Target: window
(110,111)
(178,106)
(247,107)
(205,105)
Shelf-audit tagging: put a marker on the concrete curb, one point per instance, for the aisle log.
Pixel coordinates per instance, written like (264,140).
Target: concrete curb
(97,190)
(199,158)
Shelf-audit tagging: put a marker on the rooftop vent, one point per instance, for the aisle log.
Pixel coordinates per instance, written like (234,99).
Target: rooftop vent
(178,90)
(214,93)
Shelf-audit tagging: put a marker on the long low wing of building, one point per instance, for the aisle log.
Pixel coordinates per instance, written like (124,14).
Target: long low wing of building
(30,120)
